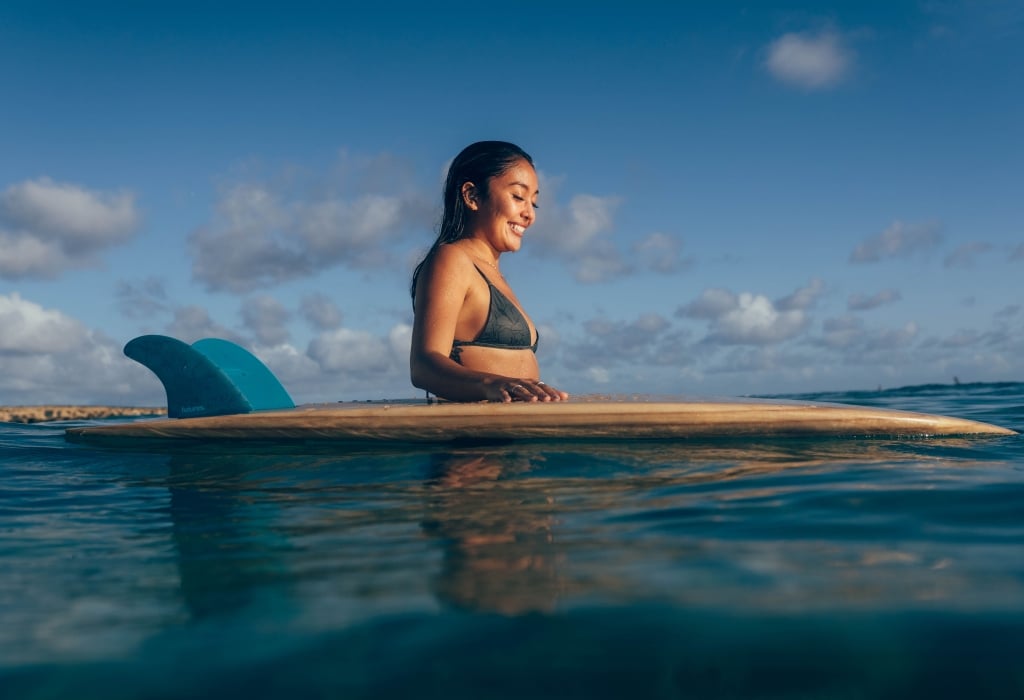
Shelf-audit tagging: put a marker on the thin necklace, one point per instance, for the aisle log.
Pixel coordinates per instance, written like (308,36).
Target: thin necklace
(485,261)
(488,262)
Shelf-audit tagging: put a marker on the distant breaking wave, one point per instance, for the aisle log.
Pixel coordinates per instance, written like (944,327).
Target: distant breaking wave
(966,388)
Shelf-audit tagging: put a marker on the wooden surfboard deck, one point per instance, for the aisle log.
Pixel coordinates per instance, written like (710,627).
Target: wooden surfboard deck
(573,420)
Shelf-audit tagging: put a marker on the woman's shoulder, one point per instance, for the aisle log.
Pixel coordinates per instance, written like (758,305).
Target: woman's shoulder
(451,258)
(454,252)
(449,267)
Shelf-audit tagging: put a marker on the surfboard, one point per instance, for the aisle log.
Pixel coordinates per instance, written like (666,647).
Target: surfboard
(217,390)
(596,419)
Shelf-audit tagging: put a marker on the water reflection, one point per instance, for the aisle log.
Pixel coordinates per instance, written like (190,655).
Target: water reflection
(334,535)
(498,534)
(228,546)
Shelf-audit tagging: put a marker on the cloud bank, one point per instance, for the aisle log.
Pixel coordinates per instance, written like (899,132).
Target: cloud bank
(899,240)
(49,357)
(265,234)
(863,302)
(48,227)
(578,234)
(751,319)
(662,252)
(966,255)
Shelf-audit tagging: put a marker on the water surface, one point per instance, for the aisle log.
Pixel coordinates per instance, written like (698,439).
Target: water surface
(728,568)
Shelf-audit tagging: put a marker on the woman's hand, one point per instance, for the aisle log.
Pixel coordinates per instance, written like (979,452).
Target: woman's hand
(507,389)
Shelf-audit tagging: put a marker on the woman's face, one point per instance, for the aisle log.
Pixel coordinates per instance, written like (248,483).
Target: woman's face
(502,214)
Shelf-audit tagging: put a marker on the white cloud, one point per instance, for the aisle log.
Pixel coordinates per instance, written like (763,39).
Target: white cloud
(975,23)
(749,319)
(711,304)
(599,264)
(810,61)
(756,321)
(192,323)
(142,299)
(322,313)
(1008,311)
(96,373)
(28,328)
(360,365)
(965,255)
(893,338)
(636,346)
(662,252)
(861,345)
(246,246)
(298,373)
(962,339)
(589,217)
(578,234)
(609,341)
(898,240)
(49,357)
(264,234)
(400,340)
(842,332)
(266,319)
(47,227)
(350,351)
(1017,253)
(862,302)
(624,340)
(22,255)
(759,361)
(350,230)
(82,216)
(803,298)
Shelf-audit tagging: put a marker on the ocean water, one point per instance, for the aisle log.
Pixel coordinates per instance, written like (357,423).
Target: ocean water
(787,568)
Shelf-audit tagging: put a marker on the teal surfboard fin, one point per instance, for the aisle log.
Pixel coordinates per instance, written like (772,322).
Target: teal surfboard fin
(211,377)
(257,383)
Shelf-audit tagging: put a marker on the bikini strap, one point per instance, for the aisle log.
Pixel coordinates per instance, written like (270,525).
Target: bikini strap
(486,279)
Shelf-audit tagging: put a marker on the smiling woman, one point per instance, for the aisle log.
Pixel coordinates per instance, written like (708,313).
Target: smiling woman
(471,339)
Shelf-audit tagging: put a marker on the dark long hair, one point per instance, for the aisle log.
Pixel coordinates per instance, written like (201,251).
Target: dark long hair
(477,163)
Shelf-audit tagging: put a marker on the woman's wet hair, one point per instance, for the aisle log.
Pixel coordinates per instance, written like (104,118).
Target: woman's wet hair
(478,163)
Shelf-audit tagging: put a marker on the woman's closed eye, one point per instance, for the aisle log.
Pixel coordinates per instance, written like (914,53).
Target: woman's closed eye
(519,198)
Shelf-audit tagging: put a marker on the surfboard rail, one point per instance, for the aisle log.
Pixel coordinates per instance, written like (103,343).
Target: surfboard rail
(572,420)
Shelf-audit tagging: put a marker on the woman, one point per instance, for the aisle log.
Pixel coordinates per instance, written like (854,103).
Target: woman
(471,340)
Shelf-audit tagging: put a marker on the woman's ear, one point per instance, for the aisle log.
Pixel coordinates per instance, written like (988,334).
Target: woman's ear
(469,195)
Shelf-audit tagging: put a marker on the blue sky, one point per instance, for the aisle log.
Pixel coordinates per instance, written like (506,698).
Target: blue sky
(737,198)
